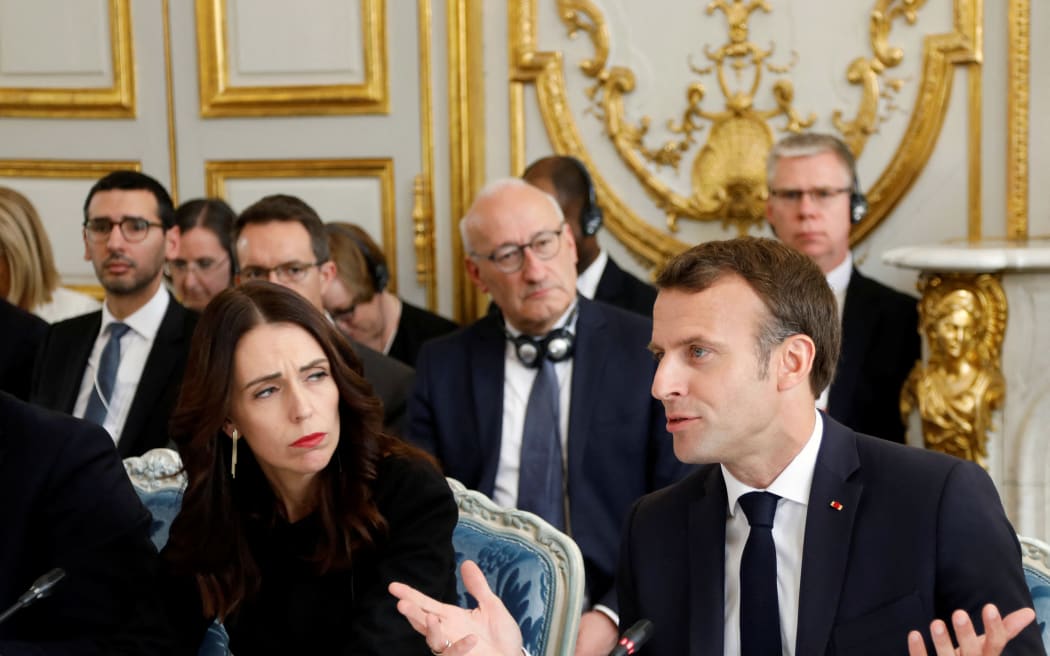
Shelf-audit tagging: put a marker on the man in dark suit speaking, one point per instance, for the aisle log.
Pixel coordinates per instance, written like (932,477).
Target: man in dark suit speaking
(544,405)
(797,535)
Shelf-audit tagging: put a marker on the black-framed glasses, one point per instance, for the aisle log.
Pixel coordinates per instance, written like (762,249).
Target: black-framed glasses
(509,258)
(286,272)
(134,228)
(202,265)
(818,195)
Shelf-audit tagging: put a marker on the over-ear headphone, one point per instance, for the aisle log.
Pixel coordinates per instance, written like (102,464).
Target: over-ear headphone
(377,271)
(590,213)
(556,346)
(858,204)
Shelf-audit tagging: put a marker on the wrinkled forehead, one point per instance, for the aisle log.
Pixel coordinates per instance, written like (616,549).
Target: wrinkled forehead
(512,216)
(272,243)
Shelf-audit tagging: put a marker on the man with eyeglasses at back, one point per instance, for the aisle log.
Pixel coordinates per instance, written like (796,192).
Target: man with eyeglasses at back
(121,367)
(545,405)
(814,199)
(282,239)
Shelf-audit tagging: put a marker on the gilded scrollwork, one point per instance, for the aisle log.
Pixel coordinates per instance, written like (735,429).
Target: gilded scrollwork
(956,392)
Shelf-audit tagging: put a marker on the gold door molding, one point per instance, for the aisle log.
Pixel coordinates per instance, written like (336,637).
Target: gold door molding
(739,134)
(219,98)
(116,101)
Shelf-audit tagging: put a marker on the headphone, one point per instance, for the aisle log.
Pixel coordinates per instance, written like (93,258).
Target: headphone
(590,213)
(377,271)
(556,346)
(858,204)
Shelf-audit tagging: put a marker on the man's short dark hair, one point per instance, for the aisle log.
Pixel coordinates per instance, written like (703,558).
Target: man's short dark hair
(790,285)
(565,176)
(285,208)
(135,181)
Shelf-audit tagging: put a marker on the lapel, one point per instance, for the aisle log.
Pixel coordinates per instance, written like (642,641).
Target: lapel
(157,374)
(82,335)
(589,361)
(707,538)
(486,374)
(828,535)
(858,321)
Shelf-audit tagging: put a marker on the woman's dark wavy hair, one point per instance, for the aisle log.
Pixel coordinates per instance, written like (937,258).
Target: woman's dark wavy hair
(208,537)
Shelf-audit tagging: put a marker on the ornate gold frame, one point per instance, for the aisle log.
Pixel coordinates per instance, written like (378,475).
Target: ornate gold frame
(117,101)
(1019,30)
(423,184)
(219,98)
(217,172)
(941,52)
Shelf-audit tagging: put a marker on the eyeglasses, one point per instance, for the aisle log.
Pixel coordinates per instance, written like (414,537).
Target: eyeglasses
(819,195)
(287,272)
(133,228)
(345,315)
(511,257)
(202,265)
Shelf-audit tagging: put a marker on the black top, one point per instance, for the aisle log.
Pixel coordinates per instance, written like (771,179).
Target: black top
(297,611)
(23,335)
(415,328)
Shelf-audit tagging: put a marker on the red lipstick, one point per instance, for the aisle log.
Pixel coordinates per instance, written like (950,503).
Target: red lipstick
(309,441)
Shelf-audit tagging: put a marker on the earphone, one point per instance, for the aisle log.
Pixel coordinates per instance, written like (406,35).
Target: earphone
(377,271)
(556,346)
(858,204)
(590,213)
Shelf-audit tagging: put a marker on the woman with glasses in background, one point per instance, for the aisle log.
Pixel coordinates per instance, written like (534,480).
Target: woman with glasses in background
(204,266)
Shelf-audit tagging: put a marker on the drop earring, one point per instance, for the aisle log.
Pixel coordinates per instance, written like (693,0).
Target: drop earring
(233,458)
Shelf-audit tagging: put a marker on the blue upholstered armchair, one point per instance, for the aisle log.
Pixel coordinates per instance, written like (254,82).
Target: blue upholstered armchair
(535,570)
(1035,556)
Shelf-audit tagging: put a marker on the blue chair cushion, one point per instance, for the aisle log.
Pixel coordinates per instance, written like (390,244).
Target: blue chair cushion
(1039,585)
(163,505)
(516,571)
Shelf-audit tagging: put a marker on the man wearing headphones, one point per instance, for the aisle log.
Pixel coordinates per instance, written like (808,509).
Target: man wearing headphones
(599,277)
(544,405)
(364,309)
(814,198)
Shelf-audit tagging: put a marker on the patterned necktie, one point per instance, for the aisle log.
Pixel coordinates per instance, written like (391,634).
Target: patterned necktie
(540,486)
(102,390)
(759,610)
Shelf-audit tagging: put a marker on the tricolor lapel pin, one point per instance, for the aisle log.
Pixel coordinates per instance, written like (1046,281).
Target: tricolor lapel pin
(836,505)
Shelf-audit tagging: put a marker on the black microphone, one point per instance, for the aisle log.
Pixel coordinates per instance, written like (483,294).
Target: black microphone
(633,638)
(41,588)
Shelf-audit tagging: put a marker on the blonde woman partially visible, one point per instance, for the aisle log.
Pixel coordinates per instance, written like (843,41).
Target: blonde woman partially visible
(28,277)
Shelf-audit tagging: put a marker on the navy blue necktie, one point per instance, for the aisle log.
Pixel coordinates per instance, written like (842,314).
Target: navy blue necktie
(102,390)
(759,610)
(540,487)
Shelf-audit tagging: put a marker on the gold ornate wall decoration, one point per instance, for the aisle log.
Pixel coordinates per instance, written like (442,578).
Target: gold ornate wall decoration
(749,139)
(963,317)
(1017,135)
(117,101)
(423,184)
(218,97)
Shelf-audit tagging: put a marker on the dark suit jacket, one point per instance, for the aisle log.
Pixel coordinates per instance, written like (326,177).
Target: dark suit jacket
(918,535)
(391,381)
(880,344)
(23,335)
(63,359)
(416,327)
(618,447)
(68,503)
(619,288)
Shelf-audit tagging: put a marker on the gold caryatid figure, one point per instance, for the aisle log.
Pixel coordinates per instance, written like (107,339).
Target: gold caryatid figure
(957,390)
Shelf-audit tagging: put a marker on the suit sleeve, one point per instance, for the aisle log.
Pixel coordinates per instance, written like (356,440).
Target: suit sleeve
(979,558)
(422,424)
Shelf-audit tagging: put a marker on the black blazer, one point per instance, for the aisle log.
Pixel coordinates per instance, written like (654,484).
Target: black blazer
(618,445)
(391,381)
(880,345)
(23,335)
(619,288)
(415,327)
(68,503)
(915,535)
(63,359)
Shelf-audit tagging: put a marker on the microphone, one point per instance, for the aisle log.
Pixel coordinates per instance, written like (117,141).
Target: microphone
(633,638)
(38,590)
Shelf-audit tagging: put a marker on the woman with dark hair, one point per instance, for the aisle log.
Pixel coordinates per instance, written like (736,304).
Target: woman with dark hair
(299,510)
(204,264)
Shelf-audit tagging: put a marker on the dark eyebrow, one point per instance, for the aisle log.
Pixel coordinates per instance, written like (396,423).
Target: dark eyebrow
(261,379)
(312,365)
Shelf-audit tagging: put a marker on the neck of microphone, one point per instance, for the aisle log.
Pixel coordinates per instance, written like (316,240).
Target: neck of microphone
(40,588)
(633,638)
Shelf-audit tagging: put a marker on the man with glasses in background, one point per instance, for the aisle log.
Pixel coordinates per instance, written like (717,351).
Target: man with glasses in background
(282,239)
(814,198)
(544,405)
(121,367)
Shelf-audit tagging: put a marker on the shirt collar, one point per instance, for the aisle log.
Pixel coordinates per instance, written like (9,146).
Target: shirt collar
(146,320)
(587,282)
(794,482)
(838,278)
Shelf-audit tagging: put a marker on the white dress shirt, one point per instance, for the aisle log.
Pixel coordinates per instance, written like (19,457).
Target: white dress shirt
(135,346)
(838,280)
(789,532)
(587,282)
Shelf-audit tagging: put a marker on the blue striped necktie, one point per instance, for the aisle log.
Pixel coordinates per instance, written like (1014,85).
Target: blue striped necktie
(102,390)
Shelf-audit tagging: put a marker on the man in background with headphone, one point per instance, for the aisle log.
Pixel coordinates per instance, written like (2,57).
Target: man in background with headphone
(545,405)
(599,277)
(814,199)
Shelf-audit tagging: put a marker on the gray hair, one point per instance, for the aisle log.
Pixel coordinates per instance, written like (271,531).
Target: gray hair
(491,189)
(808,144)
